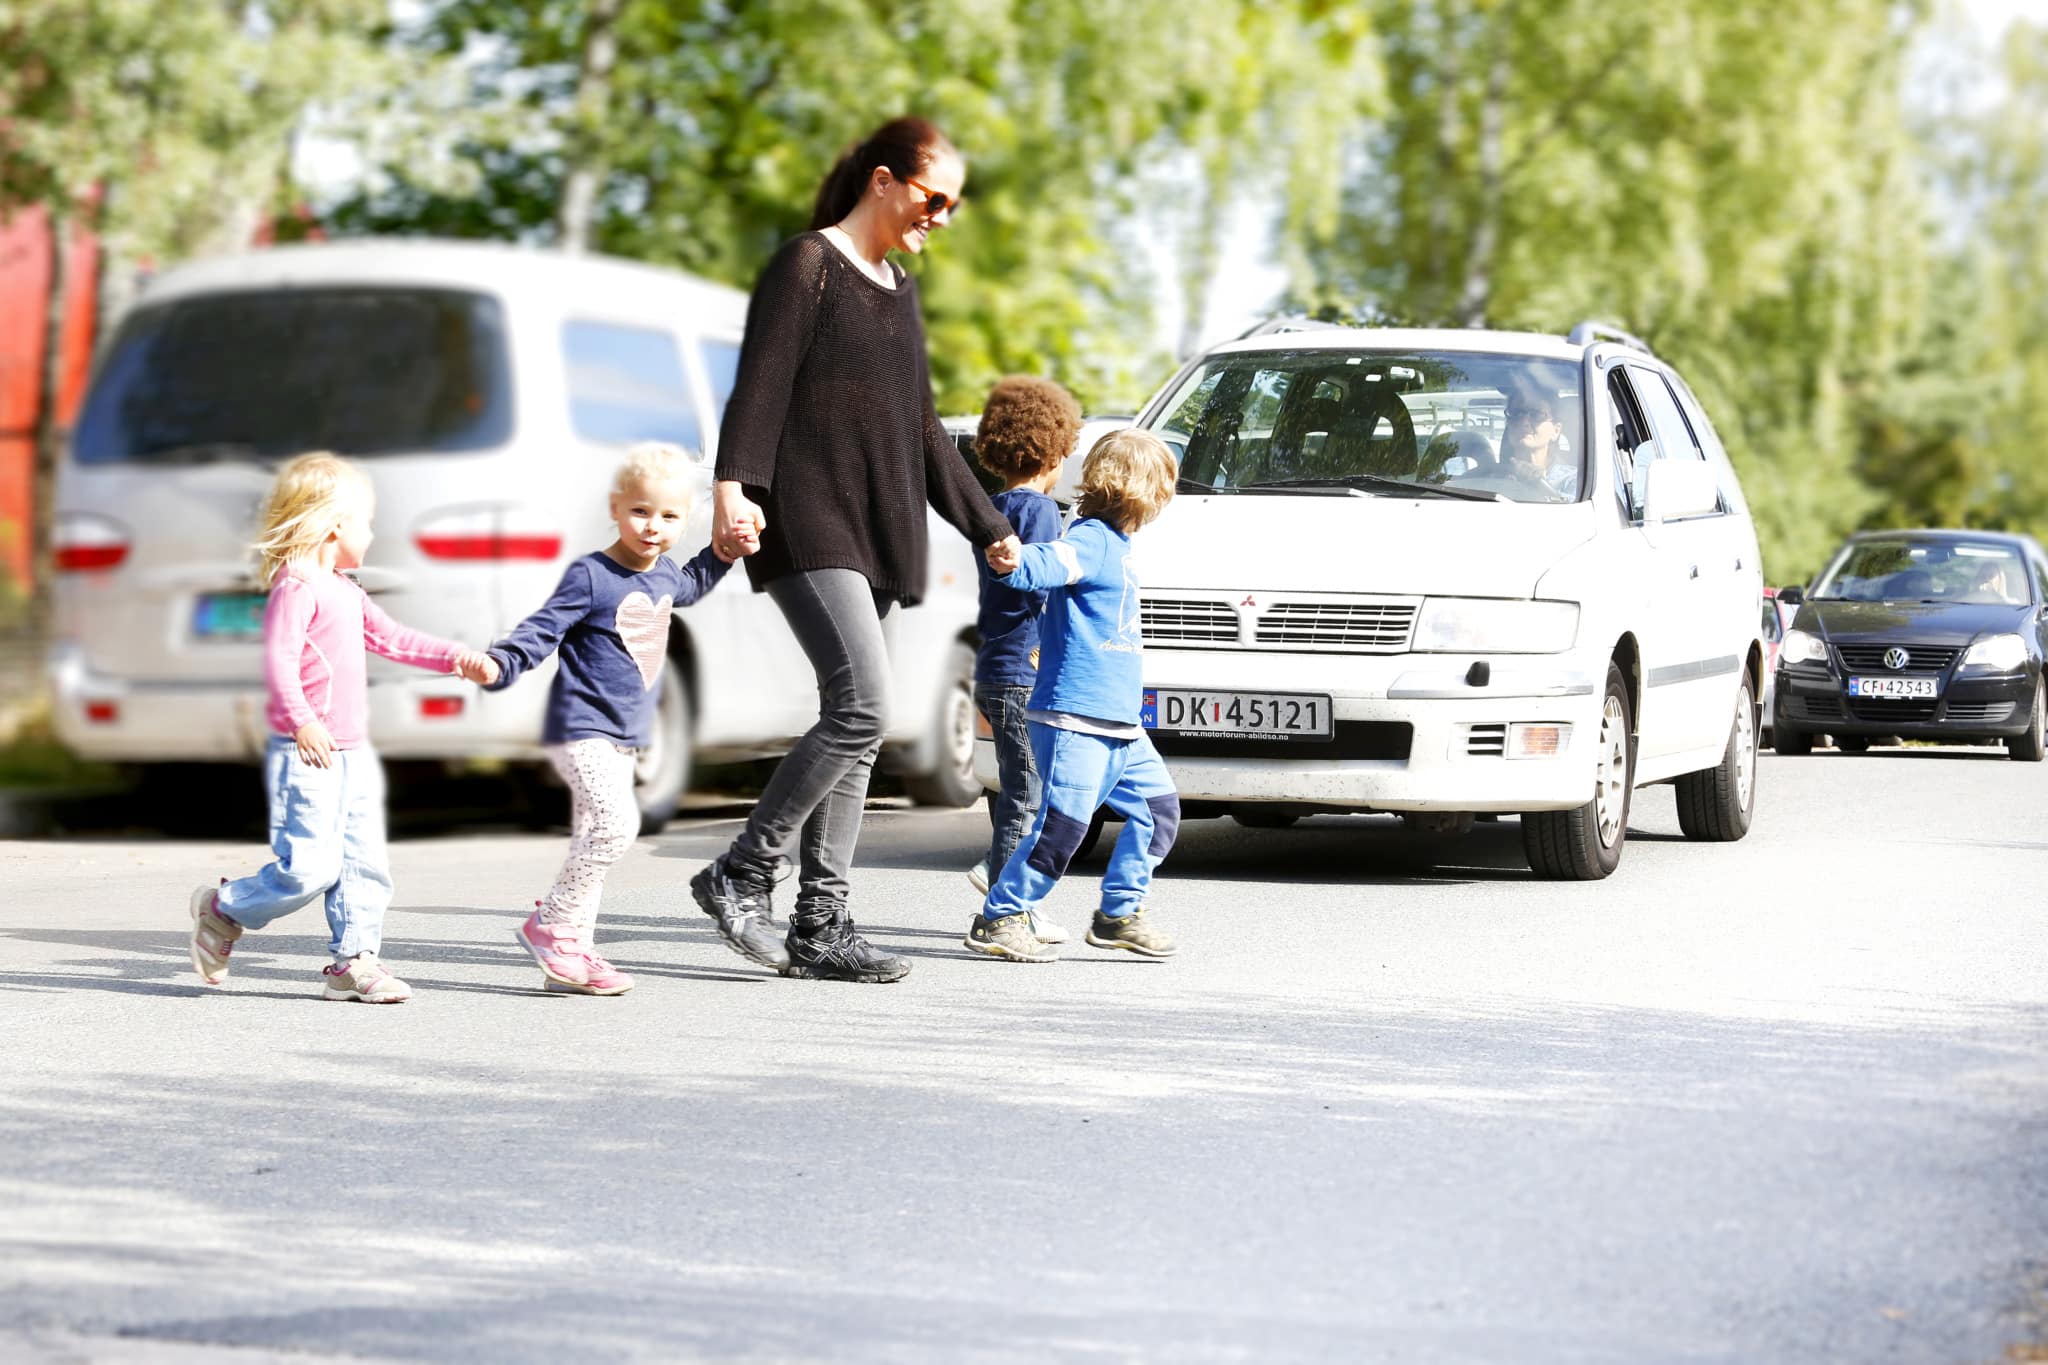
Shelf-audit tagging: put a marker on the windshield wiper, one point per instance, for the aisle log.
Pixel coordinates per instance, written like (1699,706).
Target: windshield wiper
(1187,485)
(1376,483)
(203,452)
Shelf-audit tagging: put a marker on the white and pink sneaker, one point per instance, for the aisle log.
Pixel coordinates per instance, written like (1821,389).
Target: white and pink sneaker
(557,949)
(601,978)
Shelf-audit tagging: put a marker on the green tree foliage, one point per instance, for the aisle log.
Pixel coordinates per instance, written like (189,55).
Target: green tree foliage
(1737,183)
(716,122)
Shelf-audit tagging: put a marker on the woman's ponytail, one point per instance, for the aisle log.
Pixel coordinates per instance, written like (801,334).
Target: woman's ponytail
(905,145)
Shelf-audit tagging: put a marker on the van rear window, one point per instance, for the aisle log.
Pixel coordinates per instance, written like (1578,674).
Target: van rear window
(373,371)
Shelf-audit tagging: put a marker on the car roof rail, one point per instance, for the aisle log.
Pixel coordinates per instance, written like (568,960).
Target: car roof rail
(1591,330)
(1292,322)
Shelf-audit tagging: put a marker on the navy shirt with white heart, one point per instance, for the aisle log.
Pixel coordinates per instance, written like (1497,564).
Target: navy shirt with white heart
(611,626)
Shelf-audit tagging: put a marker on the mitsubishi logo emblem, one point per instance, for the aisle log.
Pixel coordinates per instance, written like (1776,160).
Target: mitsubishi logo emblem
(1896,658)
(1248,602)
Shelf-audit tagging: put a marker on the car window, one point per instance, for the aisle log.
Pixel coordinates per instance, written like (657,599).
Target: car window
(1631,434)
(1772,627)
(1925,569)
(362,371)
(1709,441)
(626,384)
(1671,436)
(721,371)
(1491,425)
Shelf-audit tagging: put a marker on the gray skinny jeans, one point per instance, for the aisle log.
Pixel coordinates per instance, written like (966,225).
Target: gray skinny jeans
(820,788)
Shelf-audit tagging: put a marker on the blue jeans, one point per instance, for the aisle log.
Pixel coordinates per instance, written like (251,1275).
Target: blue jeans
(1082,772)
(327,830)
(1019,793)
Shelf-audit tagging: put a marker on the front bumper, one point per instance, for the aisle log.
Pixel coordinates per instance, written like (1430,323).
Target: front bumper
(119,720)
(1411,732)
(1813,701)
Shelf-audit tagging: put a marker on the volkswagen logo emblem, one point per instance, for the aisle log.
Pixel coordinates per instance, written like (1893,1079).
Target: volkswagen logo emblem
(1896,658)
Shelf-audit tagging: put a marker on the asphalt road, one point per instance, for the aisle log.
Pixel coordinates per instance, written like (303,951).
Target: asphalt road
(1781,1100)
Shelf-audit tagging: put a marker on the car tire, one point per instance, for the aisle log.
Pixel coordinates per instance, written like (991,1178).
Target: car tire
(1715,804)
(1585,844)
(1852,744)
(1790,743)
(1253,817)
(661,772)
(951,782)
(2028,747)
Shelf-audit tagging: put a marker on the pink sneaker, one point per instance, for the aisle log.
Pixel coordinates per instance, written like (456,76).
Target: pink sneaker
(556,948)
(601,978)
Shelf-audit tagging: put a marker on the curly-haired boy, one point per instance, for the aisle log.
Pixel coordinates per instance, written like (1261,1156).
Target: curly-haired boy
(1028,428)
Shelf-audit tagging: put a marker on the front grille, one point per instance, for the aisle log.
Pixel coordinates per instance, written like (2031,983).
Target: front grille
(1185,620)
(1910,712)
(1980,712)
(1820,708)
(1870,658)
(1353,739)
(1336,625)
(1487,741)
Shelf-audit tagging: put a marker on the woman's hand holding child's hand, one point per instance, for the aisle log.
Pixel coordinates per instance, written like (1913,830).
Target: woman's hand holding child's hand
(477,666)
(736,521)
(316,746)
(1005,555)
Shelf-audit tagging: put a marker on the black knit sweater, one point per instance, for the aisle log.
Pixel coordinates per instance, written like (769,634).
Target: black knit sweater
(832,430)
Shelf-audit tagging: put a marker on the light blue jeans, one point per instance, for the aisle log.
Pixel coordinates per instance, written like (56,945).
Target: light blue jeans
(1081,772)
(327,830)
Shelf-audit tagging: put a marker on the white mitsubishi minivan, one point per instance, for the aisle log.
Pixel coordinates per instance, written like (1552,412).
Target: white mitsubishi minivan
(490,392)
(1446,573)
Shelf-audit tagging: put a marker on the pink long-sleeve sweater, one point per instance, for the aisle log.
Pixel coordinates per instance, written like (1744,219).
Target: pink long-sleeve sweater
(315,631)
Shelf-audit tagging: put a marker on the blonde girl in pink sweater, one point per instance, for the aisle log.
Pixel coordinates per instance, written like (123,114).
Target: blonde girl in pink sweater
(325,784)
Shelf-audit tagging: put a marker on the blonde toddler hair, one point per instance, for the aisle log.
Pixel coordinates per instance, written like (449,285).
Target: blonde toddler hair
(649,462)
(1128,479)
(307,500)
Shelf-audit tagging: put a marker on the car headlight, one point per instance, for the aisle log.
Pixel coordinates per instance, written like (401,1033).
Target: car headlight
(1997,654)
(1803,647)
(1483,625)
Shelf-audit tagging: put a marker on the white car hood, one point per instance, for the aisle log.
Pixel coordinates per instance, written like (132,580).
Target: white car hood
(1403,546)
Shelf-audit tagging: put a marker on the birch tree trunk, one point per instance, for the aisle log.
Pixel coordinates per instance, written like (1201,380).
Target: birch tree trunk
(578,208)
(48,429)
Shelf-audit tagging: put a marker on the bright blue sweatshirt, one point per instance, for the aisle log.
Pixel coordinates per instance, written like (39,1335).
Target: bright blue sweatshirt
(611,625)
(1008,621)
(1091,660)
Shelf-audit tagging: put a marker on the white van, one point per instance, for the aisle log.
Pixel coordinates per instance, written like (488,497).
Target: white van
(1447,573)
(489,391)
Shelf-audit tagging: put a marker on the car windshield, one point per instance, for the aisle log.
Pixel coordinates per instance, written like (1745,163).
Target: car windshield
(1482,427)
(277,372)
(1905,569)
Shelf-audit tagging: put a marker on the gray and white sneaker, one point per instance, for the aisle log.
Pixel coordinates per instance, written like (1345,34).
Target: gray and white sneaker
(1045,930)
(977,877)
(740,907)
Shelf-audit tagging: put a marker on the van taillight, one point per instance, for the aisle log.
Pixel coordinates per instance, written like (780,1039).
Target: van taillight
(492,534)
(81,542)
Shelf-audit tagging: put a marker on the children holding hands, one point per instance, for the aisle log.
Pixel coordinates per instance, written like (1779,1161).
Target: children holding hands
(1086,740)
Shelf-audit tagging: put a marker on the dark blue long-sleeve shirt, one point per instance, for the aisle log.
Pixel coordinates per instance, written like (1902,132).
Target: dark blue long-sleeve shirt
(1008,619)
(610,625)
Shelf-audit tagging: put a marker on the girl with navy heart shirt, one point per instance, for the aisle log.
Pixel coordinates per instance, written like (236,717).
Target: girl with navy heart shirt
(608,621)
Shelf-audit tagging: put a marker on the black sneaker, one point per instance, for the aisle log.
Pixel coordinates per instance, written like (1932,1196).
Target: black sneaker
(739,905)
(834,951)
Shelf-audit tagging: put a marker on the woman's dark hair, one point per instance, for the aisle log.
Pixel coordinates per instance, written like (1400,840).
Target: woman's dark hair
(905,145)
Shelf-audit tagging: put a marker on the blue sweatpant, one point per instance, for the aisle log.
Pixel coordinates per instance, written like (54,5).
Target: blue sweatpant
(327,830)
(1082,772)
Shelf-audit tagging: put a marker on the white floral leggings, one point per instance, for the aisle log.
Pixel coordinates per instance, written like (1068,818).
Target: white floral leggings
(604,820)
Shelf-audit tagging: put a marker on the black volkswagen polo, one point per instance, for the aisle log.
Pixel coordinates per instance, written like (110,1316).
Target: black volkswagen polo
(1920,634)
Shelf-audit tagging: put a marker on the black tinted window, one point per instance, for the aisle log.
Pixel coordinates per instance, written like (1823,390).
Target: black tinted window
(277,372)
(626,384)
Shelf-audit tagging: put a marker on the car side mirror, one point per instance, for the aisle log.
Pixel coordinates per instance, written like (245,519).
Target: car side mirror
(1792,596)
(1679,488)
